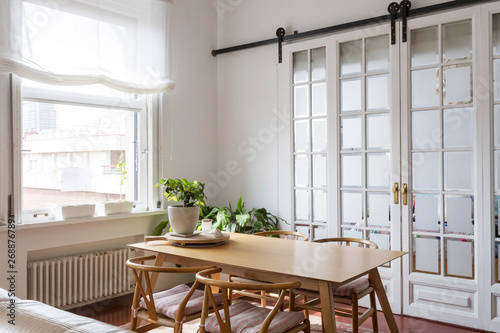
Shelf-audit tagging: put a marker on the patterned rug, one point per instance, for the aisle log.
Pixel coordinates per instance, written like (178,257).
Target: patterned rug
(192,327)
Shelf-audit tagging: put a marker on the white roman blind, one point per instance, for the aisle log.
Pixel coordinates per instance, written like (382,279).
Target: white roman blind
(121,44)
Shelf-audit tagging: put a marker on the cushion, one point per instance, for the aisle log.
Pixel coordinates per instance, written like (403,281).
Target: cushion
(247,318)
(355,286)
(32,316)
(167,301)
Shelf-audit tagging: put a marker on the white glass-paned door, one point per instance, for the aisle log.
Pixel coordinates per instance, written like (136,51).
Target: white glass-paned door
(309,90)
(440,223)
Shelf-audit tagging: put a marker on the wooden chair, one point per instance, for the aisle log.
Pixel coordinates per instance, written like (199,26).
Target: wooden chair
(169,308)
(295,235)
(243,315)
(349,293)
(263,295)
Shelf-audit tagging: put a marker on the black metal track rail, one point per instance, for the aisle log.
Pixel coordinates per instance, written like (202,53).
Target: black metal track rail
(374,20)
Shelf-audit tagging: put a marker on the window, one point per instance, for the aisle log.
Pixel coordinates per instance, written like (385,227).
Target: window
(78,149)
(86,83)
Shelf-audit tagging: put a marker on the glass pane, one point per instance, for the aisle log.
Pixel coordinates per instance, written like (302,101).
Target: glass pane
(300,67)
(351,133)
(302,170)
(426,213)
(352,233)
(71,154)
(497,126)
(426,129)
(426,171)
(319,171)
(378,131)
(318,64)
(425,88)
(457,85)
(496,34)
(302,205)
(377,53)
(320,233)
(319,99)
(352,170)
(459,258)
(379,209)
(378,168)
(382,239)
(350,57)
(319,206)
(319,135)
(377,94)
(427,255)
(301,101)
(459,179)
(351,95)
(458,218)
(302,136)
(496,79)
(424,47)
(457,41)
(458,129)
(352,208)
(304,229)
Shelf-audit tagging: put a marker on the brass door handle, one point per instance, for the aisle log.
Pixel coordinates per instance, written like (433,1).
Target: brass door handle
(395,190)
(404,191)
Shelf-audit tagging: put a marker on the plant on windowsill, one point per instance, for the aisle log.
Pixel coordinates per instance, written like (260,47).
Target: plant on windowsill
(183,218)
(120,206)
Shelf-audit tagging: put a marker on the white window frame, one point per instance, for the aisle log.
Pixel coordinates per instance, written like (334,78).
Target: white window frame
(148,111)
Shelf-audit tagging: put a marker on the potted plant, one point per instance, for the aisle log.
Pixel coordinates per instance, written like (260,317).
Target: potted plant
(183,218)
(121,206)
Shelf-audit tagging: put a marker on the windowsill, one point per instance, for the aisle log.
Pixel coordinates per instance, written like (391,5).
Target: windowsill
(57,223)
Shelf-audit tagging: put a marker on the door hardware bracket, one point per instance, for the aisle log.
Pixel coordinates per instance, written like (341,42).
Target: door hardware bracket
(393,9)
(405,6)
(280,33)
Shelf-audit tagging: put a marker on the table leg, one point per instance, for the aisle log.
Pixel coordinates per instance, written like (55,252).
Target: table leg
(327,306)
(160,259)
(382,298)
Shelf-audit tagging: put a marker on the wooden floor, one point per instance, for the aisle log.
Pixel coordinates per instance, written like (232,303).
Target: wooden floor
(117,312)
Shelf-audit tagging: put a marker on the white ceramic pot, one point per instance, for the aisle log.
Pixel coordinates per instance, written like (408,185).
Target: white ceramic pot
(183,220)
(118,207)
(77,211)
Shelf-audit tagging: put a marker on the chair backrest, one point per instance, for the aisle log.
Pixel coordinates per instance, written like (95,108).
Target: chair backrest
(144,286)
(284,234)
(225,287)
(347,241)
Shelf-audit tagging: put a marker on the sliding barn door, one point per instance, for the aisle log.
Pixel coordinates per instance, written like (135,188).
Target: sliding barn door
(441,159)
(343,94)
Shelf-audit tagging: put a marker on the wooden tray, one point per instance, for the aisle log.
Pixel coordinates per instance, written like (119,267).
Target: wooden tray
(200,240)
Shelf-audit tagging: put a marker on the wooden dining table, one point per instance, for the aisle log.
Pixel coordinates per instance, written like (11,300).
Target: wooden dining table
(317,266)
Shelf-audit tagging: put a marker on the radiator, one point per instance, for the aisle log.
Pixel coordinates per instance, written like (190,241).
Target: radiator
(71,281)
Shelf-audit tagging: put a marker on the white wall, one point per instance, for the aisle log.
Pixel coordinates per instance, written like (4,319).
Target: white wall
(248,83)
(193,117)
(194,34)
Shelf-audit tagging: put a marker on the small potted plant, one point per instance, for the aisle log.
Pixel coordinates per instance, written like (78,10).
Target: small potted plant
(183,218)
(121,206)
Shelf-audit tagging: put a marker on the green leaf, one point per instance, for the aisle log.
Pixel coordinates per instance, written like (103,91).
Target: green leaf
(159,228)
(240,206)
(243,219)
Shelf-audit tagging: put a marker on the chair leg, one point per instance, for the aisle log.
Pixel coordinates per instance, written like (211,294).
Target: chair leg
(355,314)
(135,305)
(373,304)
(308,328)
(263,301)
